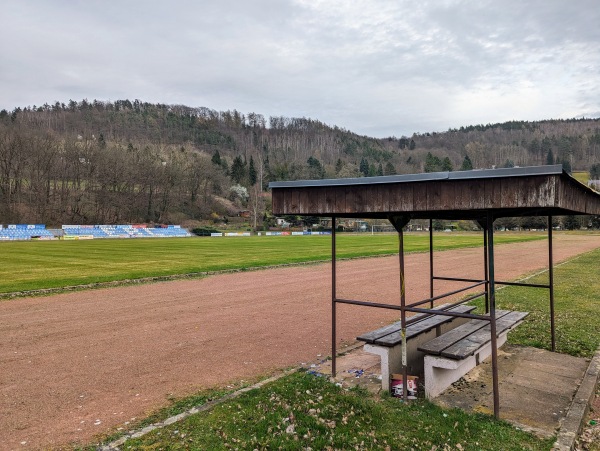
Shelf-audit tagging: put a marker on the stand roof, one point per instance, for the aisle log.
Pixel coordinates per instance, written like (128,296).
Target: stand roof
(528,191)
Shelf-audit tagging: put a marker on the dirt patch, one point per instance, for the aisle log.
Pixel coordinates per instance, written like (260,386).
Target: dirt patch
(79,364)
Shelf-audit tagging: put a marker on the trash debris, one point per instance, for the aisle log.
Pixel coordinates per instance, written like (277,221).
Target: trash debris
(397,386)
(357,373)
(315,373)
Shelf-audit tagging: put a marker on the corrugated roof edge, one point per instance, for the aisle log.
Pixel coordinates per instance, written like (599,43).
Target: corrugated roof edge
(429,176)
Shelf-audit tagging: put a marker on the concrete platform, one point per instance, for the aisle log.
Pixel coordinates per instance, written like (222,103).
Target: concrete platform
(536,388)
(540,391)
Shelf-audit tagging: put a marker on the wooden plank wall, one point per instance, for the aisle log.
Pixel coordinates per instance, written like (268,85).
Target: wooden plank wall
(512,193)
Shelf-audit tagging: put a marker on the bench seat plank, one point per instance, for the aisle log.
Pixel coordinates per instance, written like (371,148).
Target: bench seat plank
(432,321)
(438,344)
(371,337)
(470,344)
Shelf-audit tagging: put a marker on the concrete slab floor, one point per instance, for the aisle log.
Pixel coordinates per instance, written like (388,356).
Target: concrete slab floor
(536,388)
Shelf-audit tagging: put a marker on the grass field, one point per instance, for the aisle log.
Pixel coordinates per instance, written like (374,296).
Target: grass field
(305,412)
(581,176)
(36,265)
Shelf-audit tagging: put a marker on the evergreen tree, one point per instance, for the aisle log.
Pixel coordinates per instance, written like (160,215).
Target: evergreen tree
(364,167)
(315,168)
(432,163)
(372,170)
(238,170)
(550,157)
(447,165)
(338,165)
(216,158)
(380,170)
(252,176)
(467,165)
(546,148)
(412,145)
(389,169)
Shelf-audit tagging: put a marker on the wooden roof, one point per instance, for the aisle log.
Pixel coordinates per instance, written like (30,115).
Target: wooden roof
(529,191)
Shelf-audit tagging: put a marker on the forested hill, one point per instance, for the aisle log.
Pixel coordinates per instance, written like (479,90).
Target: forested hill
(107,162)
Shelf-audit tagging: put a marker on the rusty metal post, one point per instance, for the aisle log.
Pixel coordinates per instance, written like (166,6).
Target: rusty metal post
(403,315)
(485,269)
(333,297)
(431,260)
(551,284)
(492,300)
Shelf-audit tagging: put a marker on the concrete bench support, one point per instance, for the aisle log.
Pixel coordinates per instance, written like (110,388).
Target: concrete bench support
(441,372)
(391,357)
(452,355)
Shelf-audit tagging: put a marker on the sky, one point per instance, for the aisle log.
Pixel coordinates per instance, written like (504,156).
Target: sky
(377,68)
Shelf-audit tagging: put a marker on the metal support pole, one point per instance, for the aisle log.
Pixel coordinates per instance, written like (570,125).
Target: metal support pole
(551,284)
(403,315)
(431,260)
(333,297)
(485,269)
(492,300)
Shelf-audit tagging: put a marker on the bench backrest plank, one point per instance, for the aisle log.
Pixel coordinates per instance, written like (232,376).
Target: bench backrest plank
(430,322)
(470,344)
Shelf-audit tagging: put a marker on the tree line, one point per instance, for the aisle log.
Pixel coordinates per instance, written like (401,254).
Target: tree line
(93,162)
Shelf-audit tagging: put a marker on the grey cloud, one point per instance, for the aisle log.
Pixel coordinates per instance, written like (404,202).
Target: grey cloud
(377,67)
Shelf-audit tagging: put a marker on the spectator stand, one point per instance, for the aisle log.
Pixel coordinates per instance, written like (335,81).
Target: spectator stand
(479,195)
(25,232)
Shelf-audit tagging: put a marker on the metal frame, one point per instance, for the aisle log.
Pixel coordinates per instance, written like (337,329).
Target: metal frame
(489,281)
(479,195)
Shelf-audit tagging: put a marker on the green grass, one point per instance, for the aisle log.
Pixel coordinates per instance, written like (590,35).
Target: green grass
(577,308)
(581,176)
(54,264)
(302,411)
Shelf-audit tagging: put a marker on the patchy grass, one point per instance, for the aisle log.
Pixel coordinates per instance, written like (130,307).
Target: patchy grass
(34,265)
(577,308)
(302,411)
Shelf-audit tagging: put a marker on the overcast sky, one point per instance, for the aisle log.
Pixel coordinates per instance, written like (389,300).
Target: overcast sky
(378,68)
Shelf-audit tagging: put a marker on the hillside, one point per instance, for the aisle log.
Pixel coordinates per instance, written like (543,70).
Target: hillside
(113,162)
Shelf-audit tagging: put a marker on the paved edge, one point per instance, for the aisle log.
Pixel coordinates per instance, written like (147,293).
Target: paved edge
(572,424)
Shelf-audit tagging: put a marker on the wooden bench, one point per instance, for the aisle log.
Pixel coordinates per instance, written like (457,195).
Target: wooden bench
(386,342)
(453,354)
